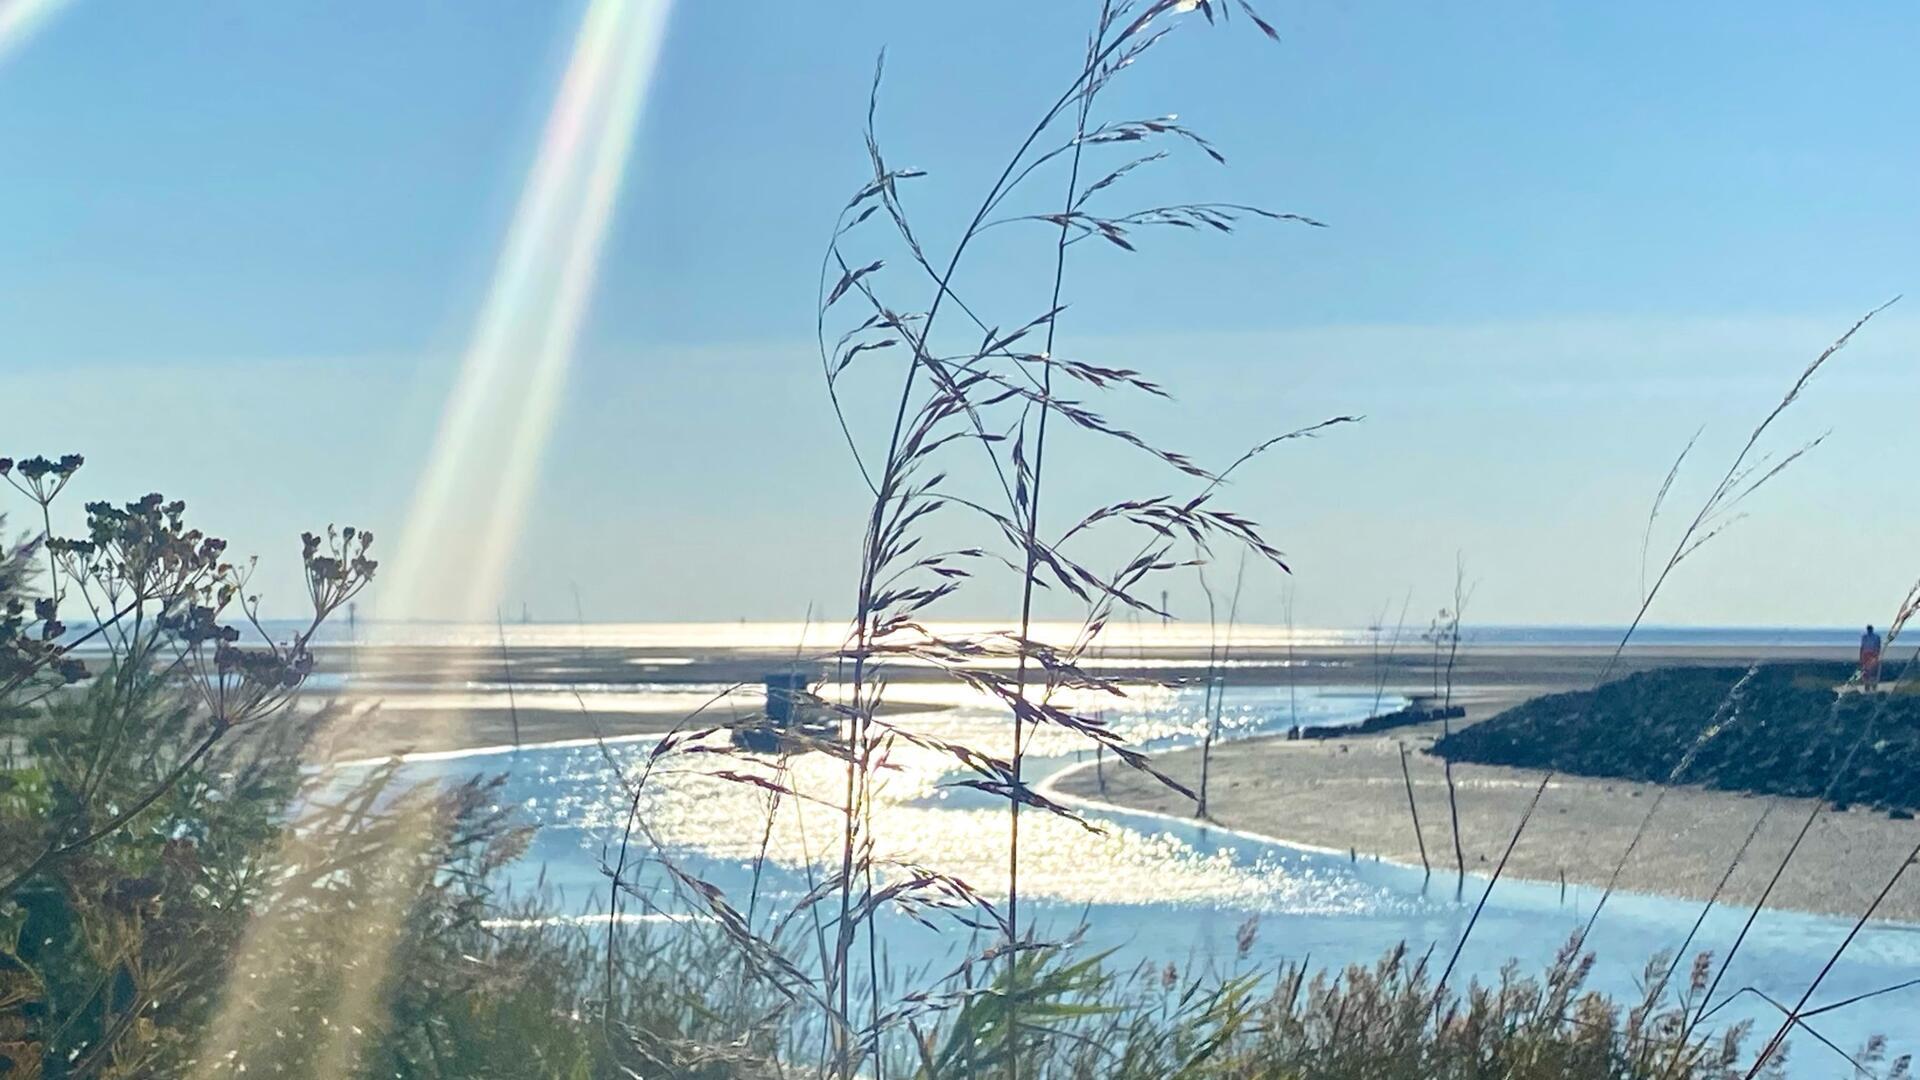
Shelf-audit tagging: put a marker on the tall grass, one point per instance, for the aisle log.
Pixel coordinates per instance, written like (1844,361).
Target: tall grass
(1751,468)
(1219,656)
(979,397)
(957,467)
(989,396)
(1385,646)
(976,400)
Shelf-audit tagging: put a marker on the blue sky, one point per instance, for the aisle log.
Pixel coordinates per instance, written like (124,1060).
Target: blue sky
(241,248)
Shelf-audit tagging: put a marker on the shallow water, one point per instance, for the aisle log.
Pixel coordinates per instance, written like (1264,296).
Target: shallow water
(1158,891)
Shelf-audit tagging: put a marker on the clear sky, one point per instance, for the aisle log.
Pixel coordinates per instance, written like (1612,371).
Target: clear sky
(242,247)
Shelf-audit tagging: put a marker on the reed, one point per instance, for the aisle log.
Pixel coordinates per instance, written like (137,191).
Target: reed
(1214,705)
(1413,811)
(1385,646)
(1748,471)
(977,407)
(991,396)
(1450,630)
(977,404)
(506,673)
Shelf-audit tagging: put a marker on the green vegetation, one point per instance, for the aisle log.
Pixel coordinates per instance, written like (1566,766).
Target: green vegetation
(1384,1022)
(1785,732)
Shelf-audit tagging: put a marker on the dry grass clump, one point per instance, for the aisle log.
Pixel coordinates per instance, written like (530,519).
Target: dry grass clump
(1365,1023)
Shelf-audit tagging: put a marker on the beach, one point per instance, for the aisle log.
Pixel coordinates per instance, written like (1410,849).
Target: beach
(1344,794)
(1350,794)
(464,695)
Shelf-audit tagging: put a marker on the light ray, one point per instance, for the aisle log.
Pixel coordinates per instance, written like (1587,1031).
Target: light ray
(572,290)
(464,520)
(464,523)
(20,19)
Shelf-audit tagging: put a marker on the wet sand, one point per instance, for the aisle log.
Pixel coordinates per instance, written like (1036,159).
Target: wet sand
(374,733)
(397,692)
(1340,794)
(1350,795)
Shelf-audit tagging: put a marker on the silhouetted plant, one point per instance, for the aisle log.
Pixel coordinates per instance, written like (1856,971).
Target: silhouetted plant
(122,792)
(1751,468)
(972,411)
(1373,1022)
(988,394)
(977,395)
(1219,655)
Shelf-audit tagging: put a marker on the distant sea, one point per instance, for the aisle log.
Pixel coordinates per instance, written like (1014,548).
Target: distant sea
(1119,637)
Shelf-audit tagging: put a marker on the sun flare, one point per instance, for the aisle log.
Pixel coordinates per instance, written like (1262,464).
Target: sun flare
(471,496)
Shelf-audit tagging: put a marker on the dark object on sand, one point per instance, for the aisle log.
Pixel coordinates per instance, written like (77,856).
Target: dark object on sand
(792,709)
(1383,722)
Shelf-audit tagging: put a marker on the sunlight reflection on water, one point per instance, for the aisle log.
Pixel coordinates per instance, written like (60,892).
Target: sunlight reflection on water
(1154,890)
(921,820)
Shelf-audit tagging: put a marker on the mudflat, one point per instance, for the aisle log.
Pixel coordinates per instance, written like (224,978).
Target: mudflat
(1351,794)
(1346,793)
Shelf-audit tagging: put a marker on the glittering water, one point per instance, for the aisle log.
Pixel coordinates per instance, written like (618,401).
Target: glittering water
(1126,640)
(1154,890)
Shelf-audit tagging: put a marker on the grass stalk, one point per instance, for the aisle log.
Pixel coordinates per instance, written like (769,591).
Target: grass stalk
(506,669)
(1738,483)
(1413,810)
